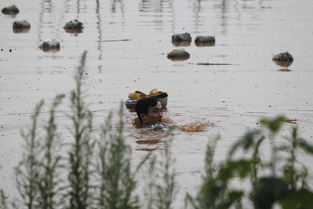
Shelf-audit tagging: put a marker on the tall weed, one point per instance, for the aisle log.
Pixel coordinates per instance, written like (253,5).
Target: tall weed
(3,200)
(48,180)
(28,169)
(114,167)
(80,155)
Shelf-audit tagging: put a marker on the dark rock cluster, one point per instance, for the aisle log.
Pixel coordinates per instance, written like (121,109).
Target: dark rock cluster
(184,39)
(23,26)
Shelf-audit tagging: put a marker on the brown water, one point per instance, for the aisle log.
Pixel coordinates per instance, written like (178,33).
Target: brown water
(127,43)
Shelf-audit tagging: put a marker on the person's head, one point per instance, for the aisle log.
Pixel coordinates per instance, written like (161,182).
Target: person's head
(149,110)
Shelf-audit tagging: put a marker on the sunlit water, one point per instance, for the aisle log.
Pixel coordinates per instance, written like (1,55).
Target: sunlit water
(127,44)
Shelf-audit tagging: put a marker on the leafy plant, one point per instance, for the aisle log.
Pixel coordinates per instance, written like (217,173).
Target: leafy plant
(117,179)
(3,200)
(48,180)
(214,192)
(28,169)
(288,188)
(80,154)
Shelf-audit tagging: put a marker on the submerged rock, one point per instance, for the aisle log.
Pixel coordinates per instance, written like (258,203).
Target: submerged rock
(284,56)
(50,45)
(10,10)
(21,26)
(205,41)
(178,54)
(73,26)
(182,39)
(283,59)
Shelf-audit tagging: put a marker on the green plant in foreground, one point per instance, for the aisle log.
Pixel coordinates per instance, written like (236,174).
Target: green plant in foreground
(48,179)
(288,188)
(27,171)
(117,180)
(283,188)
(3,200)
(36,174)
(214,192)
(80,154)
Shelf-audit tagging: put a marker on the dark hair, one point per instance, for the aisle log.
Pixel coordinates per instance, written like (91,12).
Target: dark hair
(142,106)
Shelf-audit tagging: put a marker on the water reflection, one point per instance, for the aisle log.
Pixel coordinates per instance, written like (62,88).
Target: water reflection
(99,28)
(148,139)
(159,13)
(155,6)
(21,30)
(223,7)
(47,24)
(78,8)
(118,5)
(283,63)
(196,10)
(284,70)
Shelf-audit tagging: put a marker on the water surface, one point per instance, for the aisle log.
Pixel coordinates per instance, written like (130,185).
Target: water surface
(127,44)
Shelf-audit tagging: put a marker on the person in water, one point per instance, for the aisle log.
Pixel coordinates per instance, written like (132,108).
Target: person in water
(150,113)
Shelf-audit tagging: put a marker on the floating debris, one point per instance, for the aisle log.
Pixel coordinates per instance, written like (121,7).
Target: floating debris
(205,41)
(133,97)
(116,40)
(148,149)
(178,54)
(10,10)
(196,127)
(283,59)
(73,26)
(211,63)
(149,141)
(21,26)
(182,39)
(50,45)
(292,121)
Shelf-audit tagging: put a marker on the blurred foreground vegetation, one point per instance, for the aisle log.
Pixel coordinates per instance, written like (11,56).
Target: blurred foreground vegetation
(96,170)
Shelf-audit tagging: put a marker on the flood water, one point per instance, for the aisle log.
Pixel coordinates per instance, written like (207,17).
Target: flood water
(127,42)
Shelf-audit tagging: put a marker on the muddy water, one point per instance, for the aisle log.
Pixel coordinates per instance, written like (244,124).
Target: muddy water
(127,44)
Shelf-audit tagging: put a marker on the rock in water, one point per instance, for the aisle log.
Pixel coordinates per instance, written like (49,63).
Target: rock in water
(178,54)
(10,10)
(283,59)
(50,45)
(183,39)
(21,26)
(284,56)
(205,41)
(73,26)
